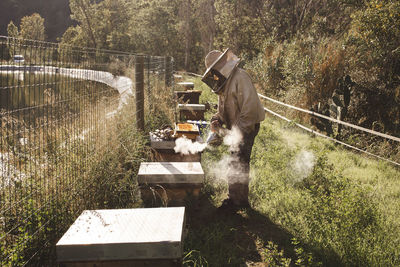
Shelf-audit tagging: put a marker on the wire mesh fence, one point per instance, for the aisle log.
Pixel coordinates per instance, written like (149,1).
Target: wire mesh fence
(57,104)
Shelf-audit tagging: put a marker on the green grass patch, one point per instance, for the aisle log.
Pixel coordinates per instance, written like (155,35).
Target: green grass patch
(344,208)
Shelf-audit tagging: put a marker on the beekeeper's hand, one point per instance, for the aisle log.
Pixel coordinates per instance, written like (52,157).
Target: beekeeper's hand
(215,126)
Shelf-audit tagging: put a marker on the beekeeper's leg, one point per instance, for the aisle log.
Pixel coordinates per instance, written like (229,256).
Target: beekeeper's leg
(240,178)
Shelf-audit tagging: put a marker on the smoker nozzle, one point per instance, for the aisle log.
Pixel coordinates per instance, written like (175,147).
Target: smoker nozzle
(214,139)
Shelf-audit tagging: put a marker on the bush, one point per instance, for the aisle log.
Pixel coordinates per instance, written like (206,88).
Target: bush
(373,46)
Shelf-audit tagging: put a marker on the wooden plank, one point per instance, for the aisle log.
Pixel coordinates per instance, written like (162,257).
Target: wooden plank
(124,234)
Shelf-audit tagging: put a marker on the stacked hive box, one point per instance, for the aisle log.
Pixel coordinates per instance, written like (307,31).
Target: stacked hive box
(191,111)
(175,177)
(163,183)
(164,151)
(189,107)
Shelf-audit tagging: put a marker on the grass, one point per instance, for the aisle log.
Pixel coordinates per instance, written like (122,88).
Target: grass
(95,171)
(342,210)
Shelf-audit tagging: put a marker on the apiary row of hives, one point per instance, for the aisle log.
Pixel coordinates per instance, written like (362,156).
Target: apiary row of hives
(151,236)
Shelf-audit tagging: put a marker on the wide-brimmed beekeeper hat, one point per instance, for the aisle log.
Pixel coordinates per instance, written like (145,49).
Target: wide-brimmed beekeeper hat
(222,62)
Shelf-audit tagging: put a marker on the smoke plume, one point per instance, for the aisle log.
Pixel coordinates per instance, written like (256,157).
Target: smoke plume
(303,165)
(229,167)
(233,139)
(185,146)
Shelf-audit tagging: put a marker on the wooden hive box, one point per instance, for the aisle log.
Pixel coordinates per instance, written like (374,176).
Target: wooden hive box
(124,237)
(191,111)
(189,97)
(171,183)
(163,150)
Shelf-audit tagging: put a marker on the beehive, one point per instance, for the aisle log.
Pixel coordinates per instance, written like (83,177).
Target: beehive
(186,85)
(189,97)
(124,237)
(191,131)
(170,182)
(191,111)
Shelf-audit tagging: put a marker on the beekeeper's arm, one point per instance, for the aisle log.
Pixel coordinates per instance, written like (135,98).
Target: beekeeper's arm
(248,104)
(217,120)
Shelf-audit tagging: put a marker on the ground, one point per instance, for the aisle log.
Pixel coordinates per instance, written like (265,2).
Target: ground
(234,237)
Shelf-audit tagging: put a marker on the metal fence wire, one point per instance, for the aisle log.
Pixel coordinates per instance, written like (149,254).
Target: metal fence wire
(57,103)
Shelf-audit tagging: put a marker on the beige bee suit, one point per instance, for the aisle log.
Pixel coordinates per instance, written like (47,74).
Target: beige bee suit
(239,104)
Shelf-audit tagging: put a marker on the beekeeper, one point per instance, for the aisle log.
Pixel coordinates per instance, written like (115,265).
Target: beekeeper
(239,110)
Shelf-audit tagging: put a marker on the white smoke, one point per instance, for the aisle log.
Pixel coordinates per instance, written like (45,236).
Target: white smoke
(221,169)
(233,139)
(303,165)
(185,146)
(228,168)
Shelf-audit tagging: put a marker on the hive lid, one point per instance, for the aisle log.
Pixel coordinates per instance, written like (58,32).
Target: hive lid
(186,84)
(189,92)
(191,107)
(124,234)
(170,173)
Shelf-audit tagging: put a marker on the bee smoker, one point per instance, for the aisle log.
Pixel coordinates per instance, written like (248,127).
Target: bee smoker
(215,137)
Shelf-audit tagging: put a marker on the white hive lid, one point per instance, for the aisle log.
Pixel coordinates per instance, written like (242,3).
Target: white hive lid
(186,84)
(191,107)
(170,173)
(124,234)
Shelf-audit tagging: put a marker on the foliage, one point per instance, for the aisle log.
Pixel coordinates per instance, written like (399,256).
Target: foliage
(374,44)
(195,259)
(117,67)
(12,30)
(239,26)
(275,257)
(32,27)
(55,12)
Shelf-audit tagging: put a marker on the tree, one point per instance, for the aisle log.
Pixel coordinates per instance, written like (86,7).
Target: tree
(13,32)
(239,27)
(205,14)
(113,27)
(374,48)
(32,27)
(85,13)
(154,27)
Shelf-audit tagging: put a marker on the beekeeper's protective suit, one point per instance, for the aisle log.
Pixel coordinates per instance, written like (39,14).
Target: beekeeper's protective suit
(240,110)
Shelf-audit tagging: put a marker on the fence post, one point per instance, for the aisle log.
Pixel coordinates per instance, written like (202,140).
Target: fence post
(168,71)
(139,89)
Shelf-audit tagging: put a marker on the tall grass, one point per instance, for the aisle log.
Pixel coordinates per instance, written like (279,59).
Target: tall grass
(345,210)
(82,167)
(94,171)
